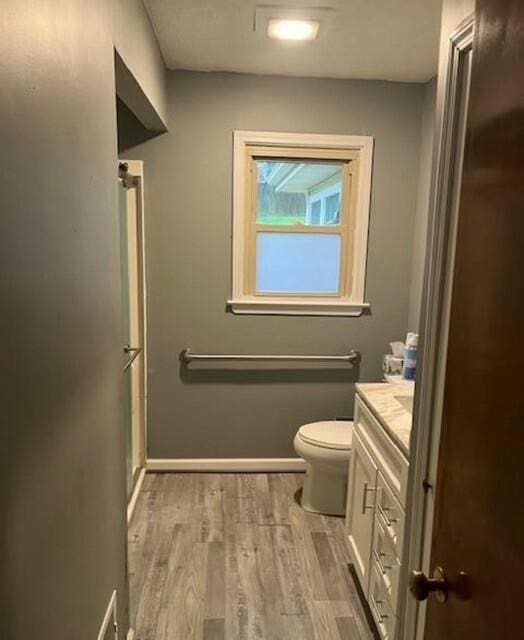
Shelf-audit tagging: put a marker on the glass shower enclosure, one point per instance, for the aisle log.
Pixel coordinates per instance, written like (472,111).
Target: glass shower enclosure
(132,324)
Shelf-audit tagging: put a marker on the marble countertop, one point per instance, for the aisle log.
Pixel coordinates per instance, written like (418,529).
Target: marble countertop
(392,406)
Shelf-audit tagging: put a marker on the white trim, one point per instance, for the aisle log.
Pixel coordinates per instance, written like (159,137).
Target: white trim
(259,465)
(434,331)
(296,308)
(134,496)
(136,169)
(130,634)
(239,303)
(306,140)
(109,617)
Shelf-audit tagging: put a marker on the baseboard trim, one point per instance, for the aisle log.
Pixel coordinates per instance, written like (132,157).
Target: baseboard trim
(238,465)
(134,496)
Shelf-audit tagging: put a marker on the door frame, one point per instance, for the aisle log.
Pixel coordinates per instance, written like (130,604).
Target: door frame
(434,325)
(135,174)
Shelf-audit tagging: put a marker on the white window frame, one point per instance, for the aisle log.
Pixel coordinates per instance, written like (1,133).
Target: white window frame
(350,304)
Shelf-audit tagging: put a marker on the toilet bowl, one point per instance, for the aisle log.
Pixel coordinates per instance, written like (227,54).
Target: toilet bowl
(326,449)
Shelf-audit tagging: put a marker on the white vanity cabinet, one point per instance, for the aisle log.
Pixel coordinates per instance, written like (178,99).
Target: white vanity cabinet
(375,515)
(361,508)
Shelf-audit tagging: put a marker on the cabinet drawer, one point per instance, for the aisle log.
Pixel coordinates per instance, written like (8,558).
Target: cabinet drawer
(381,610)
(386,563)
(390,460)
(390,514)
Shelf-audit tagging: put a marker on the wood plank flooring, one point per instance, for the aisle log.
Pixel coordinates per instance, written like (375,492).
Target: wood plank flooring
(234,557)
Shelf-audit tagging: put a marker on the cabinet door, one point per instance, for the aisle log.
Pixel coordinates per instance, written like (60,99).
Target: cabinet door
(360,508)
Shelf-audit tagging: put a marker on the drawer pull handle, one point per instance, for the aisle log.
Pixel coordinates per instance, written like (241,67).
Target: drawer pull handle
(384,568)
(374,605)
(382,513)
(364,498)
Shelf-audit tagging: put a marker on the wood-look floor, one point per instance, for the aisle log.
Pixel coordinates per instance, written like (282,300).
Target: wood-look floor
(233,557)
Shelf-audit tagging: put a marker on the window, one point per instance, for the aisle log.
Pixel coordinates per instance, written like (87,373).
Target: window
(300,221)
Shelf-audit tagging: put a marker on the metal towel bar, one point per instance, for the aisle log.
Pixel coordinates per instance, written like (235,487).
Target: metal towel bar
(187,356)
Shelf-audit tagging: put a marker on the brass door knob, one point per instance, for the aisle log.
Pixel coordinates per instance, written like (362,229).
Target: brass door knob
(421,586)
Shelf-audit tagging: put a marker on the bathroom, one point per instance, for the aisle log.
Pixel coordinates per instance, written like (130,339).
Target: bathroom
(241,413)
(255,383)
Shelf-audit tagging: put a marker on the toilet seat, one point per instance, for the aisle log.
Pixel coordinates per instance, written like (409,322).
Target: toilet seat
(332,434)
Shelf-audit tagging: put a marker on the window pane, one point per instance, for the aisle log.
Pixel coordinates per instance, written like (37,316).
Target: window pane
(291,192)
(332,209)
(316,209)
(298,263)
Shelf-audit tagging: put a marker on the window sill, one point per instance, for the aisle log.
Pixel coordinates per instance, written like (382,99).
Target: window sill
(275,307)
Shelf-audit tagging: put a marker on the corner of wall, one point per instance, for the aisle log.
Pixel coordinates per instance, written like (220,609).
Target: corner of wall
(140,71)
(425,179)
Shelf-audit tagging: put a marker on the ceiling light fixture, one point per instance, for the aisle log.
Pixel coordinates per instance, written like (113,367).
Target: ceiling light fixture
(292,23)
(285,29)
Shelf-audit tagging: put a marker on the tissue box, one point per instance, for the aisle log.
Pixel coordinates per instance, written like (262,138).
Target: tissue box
(392,365)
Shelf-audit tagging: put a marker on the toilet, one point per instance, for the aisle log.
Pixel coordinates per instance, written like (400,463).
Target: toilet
(326,449)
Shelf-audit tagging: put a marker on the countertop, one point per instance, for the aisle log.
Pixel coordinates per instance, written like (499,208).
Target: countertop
(392,406)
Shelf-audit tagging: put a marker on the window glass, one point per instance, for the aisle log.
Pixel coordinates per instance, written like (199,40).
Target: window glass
(316,212)
(299,263)
(332,215)
(290,192)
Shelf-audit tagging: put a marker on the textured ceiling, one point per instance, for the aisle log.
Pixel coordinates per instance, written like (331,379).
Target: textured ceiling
(374,39)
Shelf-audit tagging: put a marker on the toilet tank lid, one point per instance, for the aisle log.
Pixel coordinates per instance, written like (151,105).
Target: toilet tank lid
(331,434)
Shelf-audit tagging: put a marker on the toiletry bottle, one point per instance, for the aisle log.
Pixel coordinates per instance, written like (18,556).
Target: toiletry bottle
(410,357)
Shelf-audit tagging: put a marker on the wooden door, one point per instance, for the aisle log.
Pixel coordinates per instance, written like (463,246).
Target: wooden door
(479,521)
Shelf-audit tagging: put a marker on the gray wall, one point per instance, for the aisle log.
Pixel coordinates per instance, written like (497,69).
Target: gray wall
(62,534)
(144,86)
(423,202)
(188,207)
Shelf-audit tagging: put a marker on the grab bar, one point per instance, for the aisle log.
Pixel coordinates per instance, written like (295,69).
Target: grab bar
(187,356)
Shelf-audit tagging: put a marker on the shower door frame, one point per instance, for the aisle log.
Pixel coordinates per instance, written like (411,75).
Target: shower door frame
(134,178)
